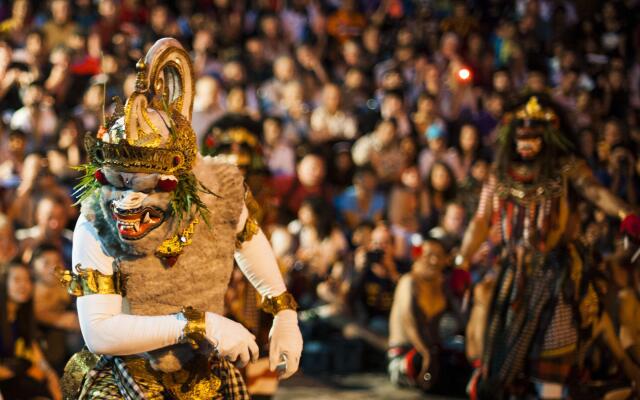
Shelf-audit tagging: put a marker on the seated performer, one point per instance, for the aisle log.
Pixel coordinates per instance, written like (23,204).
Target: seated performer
(153,253)
(425,320)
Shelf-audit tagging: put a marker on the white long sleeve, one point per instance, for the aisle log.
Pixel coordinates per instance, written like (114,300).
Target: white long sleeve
(106,330)
(258,263)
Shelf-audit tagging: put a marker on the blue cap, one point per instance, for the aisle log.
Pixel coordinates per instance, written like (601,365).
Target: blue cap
(435,131)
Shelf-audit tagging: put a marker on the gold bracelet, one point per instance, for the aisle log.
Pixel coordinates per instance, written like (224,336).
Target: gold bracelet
(195,329)
(275,304)
(86,281)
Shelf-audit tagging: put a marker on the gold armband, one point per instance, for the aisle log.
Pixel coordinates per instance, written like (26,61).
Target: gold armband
(274,305)
(195,330)
(251,226)
(90,281)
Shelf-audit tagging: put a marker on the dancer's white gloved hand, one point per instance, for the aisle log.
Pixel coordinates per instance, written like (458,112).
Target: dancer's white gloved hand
(285,338)
(232,340)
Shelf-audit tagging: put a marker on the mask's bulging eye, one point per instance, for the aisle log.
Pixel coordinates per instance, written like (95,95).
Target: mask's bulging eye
(100,177)
(166,185)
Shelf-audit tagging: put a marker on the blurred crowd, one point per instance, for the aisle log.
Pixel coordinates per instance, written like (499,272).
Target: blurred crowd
(376,121)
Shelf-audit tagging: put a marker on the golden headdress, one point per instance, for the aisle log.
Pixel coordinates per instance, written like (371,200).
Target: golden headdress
(152,133)
(532,110)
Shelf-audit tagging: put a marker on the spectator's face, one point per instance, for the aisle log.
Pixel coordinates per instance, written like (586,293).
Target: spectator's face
(371,40)
(255,48)
(391,106)
(202,41)
(60,11)
(233,73)
(20,9)
(17,145)
(385,133)
(501,81)
(583,100)
(536,82)
(311,171)
(32,96)
(270,28)
(437,144)
(381,239)
(362,236)
(616,79)
(495,106)
(431,262)
(19,286)
(460,10)
(612,135)
(331,98)
(305,57)
(283,69)
(159,18)
(449,46)
(453,220)
(468,138)
(440,178)
(107,9)
(392,80)
(343,161)
(354,79)
(272,132)
(367,181)
(51,217)
(93,97)
(569,81)
(479,170)
(426,105)
(207,91)
(45,266)
(33,44)
(351,53)
(306,215)
(59,58)
(236,100)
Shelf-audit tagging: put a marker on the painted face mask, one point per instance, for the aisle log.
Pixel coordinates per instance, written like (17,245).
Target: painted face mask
(140,177)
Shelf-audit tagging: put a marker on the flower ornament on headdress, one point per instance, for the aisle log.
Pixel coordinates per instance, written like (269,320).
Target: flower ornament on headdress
(152,133)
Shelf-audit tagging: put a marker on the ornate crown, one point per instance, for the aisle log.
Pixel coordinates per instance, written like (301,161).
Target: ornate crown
(152,133)
(533,111)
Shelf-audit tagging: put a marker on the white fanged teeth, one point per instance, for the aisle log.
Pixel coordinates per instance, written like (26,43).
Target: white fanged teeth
(136,226)
(146,218)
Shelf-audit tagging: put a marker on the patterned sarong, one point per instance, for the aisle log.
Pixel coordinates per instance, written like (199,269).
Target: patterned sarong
(131,378)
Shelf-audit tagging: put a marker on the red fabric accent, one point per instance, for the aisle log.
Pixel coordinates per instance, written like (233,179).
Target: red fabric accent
(630,226)
(416,252)
(460,281)
(87,66)
(408,358)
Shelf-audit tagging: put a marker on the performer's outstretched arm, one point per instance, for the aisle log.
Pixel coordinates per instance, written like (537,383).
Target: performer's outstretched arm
(478,229)
(586,183)
(258,263)
(106,330)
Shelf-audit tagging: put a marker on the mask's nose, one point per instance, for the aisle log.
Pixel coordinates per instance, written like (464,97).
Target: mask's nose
(129,200)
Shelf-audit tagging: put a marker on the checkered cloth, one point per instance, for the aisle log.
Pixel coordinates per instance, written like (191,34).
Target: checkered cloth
(110,379)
